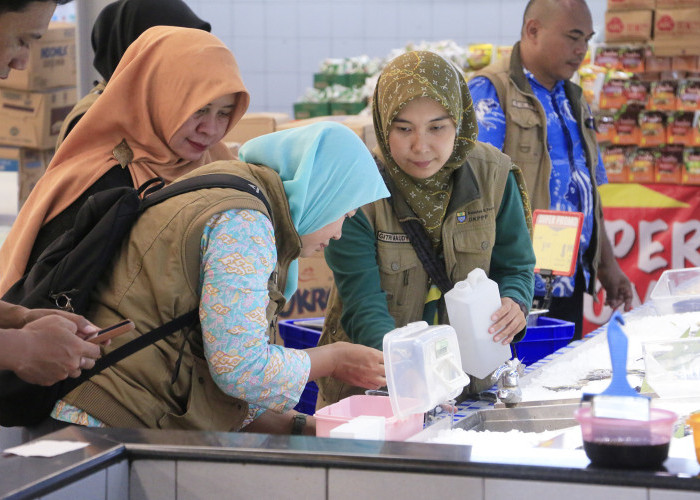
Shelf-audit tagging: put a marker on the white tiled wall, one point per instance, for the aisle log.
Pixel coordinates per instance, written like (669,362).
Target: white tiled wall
(280,43)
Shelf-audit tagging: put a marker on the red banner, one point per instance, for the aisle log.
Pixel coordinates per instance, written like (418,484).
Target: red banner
(653,227)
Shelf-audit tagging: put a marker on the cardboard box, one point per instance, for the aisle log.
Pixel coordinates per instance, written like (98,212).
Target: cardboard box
(360,124)
(51,61)
(628,26)
(33,119)
(631,4)
(311,298)
(253,125)
(28,165)
(676,4)
(9,180)
(684,46)
(677,23)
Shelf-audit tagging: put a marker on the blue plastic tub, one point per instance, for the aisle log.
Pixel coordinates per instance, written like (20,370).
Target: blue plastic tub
(549,335)
(297,336)
(302,337)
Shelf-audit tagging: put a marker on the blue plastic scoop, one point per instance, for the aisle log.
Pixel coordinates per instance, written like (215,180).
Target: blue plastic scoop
(619,400)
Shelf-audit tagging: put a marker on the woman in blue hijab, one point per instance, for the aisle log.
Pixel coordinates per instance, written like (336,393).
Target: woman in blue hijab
(242,257)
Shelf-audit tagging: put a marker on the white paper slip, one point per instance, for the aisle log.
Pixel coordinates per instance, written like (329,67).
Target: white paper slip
(45,448)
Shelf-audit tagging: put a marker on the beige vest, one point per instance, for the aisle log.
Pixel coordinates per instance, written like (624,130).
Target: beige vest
(468,236)
(155,279)
(526,137)
(79,110)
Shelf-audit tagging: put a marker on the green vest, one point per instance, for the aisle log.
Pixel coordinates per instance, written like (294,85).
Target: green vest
(155,278)
(468,237)
(526,138)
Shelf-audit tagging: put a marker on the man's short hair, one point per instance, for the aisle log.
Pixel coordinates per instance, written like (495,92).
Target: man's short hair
(20,5)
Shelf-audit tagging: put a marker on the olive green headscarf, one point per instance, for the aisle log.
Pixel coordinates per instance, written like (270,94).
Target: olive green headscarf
(407,77)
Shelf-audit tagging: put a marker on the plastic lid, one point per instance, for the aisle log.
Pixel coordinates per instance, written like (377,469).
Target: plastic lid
(423,367)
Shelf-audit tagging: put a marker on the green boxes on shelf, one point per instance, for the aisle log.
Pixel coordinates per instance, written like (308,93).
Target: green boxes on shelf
(323,80)
(347,108)
(303,110)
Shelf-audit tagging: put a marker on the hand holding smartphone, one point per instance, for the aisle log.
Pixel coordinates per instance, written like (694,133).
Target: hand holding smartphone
(112,331)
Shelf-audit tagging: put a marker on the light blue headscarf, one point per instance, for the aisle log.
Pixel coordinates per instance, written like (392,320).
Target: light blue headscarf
(326,171)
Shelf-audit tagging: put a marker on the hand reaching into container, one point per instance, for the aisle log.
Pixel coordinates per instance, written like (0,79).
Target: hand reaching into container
(354,364)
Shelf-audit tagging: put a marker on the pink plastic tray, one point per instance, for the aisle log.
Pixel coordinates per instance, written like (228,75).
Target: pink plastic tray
(376,406)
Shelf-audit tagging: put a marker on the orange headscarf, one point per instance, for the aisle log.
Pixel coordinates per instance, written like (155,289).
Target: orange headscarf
(165,76)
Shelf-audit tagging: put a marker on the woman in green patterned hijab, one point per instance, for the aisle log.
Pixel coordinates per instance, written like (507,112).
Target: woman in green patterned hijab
(467,196)
(415,76)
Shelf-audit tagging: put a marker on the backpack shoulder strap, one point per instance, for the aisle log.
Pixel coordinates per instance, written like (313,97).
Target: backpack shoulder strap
(206,181)
(187,319)
(420,242)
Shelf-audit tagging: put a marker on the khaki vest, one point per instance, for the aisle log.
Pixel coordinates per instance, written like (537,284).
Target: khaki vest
(155,279)
(526,138)
(79,110)
(468,237)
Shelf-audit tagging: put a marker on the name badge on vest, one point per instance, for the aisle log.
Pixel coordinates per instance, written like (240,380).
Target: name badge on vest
(522,105)
(461,217)
(393,237)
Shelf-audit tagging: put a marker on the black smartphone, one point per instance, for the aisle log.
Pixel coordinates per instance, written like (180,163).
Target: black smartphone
(112,331)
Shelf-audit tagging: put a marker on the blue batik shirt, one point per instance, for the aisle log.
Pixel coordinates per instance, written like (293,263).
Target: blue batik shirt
(570,186)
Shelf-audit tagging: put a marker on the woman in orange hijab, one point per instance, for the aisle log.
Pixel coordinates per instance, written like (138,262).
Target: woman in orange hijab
(172,98)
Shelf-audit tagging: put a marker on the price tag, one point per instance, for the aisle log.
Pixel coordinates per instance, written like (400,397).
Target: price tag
(555,239)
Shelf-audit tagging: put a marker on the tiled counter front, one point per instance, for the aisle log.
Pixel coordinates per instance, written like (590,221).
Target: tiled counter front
(121,464)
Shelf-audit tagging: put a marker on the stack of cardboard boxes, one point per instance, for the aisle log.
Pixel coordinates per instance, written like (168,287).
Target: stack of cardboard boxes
(671,26)
(33,105)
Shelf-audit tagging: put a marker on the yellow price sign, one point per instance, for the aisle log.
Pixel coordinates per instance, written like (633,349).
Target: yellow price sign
(555,239)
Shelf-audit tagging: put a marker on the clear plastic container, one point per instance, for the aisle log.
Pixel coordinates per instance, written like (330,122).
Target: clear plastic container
(423,370)
(677,291)
(423,367)
(470,305)
(623,443)
(672,367)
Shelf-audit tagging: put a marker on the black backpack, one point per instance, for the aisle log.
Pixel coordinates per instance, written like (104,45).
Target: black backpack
(67,271)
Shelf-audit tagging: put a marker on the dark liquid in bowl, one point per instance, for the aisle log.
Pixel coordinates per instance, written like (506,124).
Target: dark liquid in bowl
(626,456)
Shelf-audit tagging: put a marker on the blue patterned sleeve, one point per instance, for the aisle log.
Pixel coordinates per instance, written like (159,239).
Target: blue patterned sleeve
(238,256)
(489,114)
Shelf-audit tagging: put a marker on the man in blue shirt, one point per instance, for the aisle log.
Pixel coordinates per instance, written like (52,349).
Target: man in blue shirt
(527,107)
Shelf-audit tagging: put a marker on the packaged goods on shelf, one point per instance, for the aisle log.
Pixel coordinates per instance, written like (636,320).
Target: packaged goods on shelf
(688,96)
(653,127)
(679,129)
(669,164)
(615,159)
(33,119)
(641,164)
(51,61)
(691,162)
